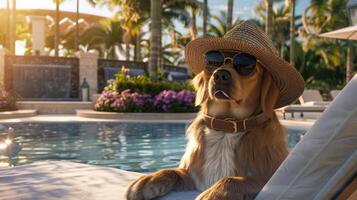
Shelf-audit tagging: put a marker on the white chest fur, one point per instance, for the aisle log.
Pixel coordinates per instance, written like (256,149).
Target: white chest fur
(219,152)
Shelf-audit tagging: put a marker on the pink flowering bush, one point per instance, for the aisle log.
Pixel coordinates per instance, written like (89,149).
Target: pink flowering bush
(124,101)
(7,101)
(165,101)
(172,101)
(141,94)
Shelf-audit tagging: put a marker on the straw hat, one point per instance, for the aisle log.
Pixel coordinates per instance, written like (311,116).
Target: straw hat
(247,37)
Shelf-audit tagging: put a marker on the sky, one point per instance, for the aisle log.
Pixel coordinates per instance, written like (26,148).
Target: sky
(242,8)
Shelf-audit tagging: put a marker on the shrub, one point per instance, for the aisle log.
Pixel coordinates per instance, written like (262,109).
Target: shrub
(143,84)
(124,101)
(172,101)
(165,101)
(7,101)
(142,94)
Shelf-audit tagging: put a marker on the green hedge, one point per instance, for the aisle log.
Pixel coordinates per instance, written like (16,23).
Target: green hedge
(144,85)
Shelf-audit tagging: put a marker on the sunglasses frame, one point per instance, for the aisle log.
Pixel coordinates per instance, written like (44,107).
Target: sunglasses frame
(231,59)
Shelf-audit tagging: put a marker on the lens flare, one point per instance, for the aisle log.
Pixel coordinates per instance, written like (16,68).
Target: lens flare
(3,145)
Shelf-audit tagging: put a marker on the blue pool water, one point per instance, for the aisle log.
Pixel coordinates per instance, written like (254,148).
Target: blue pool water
(141,147)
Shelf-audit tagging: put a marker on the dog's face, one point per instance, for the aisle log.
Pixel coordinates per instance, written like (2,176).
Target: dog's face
(225,93)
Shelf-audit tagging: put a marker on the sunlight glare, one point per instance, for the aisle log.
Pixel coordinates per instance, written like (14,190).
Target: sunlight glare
(8,141)
(3,146)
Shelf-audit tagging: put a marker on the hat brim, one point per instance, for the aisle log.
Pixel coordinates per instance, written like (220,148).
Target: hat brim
(286,77)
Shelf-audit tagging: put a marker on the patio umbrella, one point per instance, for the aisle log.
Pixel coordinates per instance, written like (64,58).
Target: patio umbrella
(348,33)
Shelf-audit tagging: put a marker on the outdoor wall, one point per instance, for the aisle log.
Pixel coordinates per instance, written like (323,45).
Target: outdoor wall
(88,69)
(42,77)
(38,78)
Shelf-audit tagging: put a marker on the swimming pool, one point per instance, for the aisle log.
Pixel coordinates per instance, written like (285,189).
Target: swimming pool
(141,147)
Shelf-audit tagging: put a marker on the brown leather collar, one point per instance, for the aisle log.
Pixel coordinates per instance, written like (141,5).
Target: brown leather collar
(235,126)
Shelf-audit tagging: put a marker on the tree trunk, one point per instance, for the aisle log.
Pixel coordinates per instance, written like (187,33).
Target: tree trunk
(155,13)
(138,47)
(8,25)
(282,50)
(13,29)
(349,62)
(229,14)
(292,33)
(205,17)
(269,18)
(127,51)
(193,26)
(57,31)
(77,28)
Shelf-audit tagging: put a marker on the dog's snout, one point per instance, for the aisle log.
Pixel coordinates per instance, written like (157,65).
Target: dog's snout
(222,76)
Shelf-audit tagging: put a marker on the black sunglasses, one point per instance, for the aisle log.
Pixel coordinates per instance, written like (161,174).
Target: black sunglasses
(243,63)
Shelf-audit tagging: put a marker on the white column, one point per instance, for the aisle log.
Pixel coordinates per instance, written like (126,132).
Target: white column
(38,34)
(88,68)
(2,66)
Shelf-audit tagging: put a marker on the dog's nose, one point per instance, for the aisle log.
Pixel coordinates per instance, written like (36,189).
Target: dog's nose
(222,76)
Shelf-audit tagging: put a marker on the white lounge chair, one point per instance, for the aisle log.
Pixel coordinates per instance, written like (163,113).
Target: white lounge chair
(324,164)
(301,108)
(311,96)
(310,101)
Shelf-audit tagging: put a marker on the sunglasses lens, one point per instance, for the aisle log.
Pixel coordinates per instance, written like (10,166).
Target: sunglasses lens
(213,60)
(244,63)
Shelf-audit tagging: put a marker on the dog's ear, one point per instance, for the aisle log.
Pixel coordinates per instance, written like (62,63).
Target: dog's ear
(200,86)
(269,94)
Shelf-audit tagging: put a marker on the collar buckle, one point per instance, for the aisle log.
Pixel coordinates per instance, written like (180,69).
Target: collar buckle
(234,123)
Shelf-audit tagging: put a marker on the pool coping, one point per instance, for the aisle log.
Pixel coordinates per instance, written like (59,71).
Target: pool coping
(299,125)
(135,116)
(17,114)
(76,119)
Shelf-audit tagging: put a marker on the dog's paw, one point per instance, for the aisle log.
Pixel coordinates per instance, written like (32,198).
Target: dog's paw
(222,190)
(151,186)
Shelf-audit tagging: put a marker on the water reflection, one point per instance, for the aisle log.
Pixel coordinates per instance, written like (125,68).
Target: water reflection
(128,146)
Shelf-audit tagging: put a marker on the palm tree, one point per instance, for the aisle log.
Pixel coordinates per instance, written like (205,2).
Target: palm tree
(193,25)
(184,11)
(169,10)
(105,37)
(269,18)
(155,39)
(326,54)
(57,31)
(292,32)
(229,14)
(218,27)
(13,28)
(8,24)
(77,26)
(205,17)
(282,19)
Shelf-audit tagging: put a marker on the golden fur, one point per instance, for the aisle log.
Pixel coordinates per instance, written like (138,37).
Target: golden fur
(256,155)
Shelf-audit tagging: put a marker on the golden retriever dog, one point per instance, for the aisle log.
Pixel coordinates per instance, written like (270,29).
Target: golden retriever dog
(225,165)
